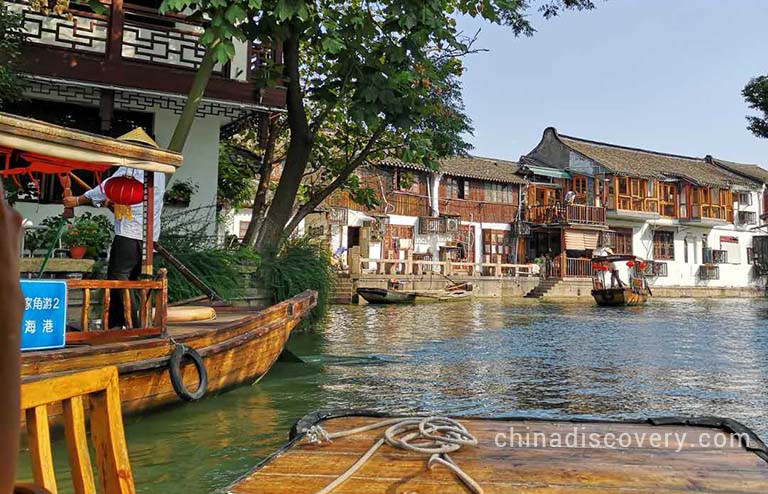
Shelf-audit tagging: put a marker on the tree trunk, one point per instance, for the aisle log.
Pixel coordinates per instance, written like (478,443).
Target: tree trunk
(322,195)
(265,172)
(297,157)
(194,98)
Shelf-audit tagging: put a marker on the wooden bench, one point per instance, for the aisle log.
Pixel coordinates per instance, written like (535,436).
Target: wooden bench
(100,388)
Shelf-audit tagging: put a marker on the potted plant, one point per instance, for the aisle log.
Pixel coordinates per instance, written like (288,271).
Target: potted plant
(87,236)
(180,193)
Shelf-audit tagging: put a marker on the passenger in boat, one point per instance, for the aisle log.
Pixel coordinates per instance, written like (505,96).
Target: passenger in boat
(125,255)
(615,279)
(11,310)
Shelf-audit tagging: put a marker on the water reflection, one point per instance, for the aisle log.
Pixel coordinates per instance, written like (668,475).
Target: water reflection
(513,357)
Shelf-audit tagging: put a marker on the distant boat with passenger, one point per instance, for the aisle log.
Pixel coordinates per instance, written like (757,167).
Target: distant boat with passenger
(614,292)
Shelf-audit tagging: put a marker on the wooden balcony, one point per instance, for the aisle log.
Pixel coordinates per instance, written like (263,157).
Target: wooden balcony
(402,203)
(487,212)
(407,204)
(566,215)
(136,47)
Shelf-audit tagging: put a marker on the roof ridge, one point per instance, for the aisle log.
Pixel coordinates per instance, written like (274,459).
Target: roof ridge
(629,148)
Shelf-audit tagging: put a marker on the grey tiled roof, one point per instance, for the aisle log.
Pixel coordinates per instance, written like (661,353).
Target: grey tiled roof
(755,172)
(492,170)
(652,164)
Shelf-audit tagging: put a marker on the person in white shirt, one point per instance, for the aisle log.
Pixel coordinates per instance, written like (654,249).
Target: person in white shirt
(125,254)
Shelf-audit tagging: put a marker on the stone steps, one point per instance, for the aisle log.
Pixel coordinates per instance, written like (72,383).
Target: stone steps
(343,290)
(544,286)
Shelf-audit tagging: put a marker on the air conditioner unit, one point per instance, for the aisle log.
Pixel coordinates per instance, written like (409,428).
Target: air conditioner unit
(429,224)
(452,224)
(337,216)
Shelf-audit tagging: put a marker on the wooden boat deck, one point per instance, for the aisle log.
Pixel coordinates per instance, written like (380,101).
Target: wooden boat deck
(632,468)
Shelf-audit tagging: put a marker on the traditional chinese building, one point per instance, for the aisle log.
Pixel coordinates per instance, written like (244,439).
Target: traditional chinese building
(693,217)
(462,211)
(131,66)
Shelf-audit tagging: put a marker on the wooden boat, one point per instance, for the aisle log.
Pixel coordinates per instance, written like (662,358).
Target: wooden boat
(238,347)
(386,296)
(441,295)
(519,455)
(619,294)
(610,297)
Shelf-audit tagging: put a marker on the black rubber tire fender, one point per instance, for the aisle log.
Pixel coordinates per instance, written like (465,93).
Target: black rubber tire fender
(174,367)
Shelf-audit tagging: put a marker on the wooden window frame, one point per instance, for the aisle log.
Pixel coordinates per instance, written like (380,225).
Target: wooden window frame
(667,190)
(664,248)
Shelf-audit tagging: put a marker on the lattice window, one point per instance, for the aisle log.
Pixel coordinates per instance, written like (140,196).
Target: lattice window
(85,31)
(664,245)
(709,273)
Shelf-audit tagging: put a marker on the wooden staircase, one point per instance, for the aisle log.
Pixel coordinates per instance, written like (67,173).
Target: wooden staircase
(544,286)
(342,289)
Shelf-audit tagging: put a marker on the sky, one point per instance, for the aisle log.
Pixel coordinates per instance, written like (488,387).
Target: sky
(664,75)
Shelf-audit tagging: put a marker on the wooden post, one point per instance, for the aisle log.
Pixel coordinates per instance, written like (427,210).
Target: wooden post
(109,441)
(105,311)
(115,39)
(149,222)
(40,447)
(86,308)
(409,262)
(354,260)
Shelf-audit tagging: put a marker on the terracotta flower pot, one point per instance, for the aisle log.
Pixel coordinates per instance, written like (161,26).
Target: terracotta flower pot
(77,252)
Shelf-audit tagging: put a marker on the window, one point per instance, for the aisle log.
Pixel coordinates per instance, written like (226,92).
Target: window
(750,256)
(243,228)
(407,182)
(664,245)
(685,250)
(580,185)
(458,188)
(745,198)
(668,203)
(497,192)
(623,243)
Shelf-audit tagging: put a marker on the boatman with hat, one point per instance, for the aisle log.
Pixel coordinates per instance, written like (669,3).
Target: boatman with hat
(125,255)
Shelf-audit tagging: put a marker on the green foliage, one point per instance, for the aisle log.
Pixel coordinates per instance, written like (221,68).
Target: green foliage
(301,264)
(91,231)
(225,271)
(180,192)
(11,37)
(238,168)
(756,94)
(44,235)
(222,270)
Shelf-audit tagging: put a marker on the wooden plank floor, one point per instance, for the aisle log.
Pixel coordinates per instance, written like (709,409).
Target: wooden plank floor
(634,467)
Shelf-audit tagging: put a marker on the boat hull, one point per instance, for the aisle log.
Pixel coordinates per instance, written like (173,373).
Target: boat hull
(238,348)
(384,296)
(615,297)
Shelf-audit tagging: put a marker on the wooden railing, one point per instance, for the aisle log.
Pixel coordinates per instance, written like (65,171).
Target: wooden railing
(144,35)
(488,212)
(98,389)
(574,268)
(578,268)
(152,296)
(446,268)
(562,215)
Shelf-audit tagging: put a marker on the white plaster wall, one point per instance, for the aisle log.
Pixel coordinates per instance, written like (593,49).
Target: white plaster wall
(201,161)
(737,273)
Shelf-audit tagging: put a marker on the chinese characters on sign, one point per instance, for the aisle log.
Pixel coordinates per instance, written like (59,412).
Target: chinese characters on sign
(45,314)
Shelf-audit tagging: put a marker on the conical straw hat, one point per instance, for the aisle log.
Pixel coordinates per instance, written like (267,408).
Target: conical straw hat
(138,136)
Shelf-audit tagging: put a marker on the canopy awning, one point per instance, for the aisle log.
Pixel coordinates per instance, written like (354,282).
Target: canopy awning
(548,172)
(71,147)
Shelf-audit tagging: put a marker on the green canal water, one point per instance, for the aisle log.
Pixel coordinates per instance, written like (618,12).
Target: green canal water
(679,357)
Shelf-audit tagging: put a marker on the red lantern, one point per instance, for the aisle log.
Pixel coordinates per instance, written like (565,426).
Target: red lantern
(125,191)
(596,266)
(642,265)
(630,264)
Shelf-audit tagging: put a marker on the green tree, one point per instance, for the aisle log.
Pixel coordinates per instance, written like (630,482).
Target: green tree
(11,37)
(375,68)
(756,94)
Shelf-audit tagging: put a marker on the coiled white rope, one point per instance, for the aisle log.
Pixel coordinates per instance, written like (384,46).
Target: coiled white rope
(435,436)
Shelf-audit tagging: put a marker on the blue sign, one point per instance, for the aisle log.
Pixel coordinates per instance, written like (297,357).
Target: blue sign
(45,314)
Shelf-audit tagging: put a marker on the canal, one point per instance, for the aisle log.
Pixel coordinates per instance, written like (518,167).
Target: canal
(512,357)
